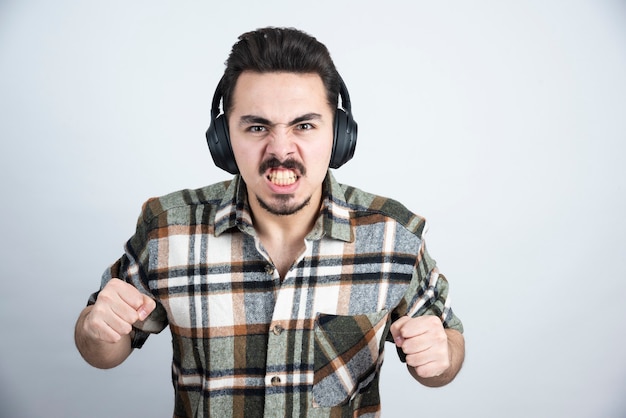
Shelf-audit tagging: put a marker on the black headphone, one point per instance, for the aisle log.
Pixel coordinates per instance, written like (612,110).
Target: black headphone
(344,140)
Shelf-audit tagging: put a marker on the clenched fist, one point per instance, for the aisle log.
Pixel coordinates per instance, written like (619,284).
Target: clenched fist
(102,332)
(425,343)
(118,307)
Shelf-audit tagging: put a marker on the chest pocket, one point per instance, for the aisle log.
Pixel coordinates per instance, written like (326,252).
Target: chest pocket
(348,354)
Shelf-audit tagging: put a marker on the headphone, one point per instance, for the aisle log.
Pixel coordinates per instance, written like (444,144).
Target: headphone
(344,139)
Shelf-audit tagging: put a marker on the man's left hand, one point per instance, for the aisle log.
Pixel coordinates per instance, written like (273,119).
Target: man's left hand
(425,343)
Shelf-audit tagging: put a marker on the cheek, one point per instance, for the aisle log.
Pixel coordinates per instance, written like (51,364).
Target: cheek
(326,152)
(322,147)
(320,159)
(245,156)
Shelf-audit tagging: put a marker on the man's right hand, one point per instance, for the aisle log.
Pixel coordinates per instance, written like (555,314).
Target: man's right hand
(119,305)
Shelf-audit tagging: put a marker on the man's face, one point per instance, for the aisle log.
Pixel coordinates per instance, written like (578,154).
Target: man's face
(281,131)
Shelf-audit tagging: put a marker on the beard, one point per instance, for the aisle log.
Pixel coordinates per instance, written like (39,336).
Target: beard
(283,207)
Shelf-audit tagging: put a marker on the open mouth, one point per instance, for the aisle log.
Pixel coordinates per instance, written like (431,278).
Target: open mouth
(282,174)
(282,177)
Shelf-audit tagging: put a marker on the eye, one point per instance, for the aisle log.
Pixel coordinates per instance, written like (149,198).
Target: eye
(257,129)
(305,126)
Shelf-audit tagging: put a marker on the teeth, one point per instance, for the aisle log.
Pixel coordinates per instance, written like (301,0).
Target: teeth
(282,177)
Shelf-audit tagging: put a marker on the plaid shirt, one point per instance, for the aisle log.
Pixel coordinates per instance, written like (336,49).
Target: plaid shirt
(248,344)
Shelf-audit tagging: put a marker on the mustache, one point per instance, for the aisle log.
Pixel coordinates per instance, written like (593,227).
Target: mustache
(288,164)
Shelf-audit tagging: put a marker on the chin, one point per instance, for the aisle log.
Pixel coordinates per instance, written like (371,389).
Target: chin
(284,207)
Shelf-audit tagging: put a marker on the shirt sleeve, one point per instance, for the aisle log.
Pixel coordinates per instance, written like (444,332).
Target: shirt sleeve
(427,294)
(430,293)
(133,267)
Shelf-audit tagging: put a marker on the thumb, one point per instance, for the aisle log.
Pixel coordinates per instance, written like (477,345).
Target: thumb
(396,330)
(146,307)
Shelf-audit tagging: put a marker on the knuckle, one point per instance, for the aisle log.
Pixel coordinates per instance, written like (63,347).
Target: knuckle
(97,312)
(126,328)
(151,303)
(446,364)
(427,371)
(413,361)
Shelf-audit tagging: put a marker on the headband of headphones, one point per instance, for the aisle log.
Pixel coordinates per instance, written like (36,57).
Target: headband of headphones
(344,139)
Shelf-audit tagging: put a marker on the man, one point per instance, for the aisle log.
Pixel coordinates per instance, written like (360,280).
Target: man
(280,286)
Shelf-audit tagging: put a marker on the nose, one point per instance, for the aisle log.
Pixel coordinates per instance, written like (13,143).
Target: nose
(281,144)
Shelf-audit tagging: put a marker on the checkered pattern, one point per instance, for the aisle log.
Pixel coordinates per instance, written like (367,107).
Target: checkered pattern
(248,344)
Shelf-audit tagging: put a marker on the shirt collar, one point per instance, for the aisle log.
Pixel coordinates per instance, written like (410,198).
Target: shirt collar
(333,220)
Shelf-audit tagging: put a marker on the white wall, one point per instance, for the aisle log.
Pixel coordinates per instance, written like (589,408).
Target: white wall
(502,122)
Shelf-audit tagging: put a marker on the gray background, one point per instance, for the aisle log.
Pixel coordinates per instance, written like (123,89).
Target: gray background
(502,122)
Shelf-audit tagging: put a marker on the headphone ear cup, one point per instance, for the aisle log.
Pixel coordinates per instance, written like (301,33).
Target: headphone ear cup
(218,140)
(344,141)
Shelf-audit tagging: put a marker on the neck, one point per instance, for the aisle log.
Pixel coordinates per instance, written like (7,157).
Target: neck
(283,235)
(285,227)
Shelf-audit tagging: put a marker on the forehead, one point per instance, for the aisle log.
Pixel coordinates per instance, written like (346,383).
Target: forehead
(279,93)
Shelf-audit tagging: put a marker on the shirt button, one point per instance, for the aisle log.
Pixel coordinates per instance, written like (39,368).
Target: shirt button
(269,269)
(277,329)
(275,381)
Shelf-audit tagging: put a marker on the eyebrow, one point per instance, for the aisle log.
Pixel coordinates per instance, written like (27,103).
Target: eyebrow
(252,119)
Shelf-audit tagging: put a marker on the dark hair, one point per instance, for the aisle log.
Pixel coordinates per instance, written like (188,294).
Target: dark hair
(279,50)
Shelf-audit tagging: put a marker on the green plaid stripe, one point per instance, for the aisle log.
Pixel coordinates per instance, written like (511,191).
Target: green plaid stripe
(247,343)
